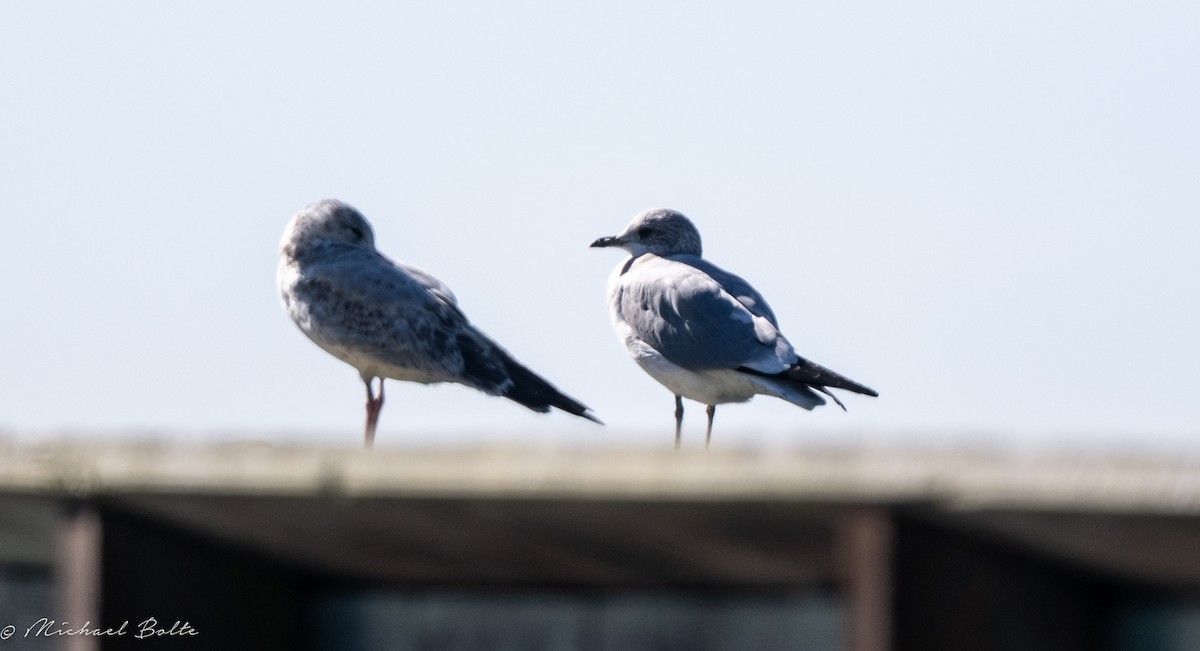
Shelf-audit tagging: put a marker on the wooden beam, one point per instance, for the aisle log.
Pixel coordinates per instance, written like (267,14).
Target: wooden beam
(864,546)
(77,580)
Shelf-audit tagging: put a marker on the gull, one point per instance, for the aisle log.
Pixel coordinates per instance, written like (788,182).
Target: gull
(700,331)
(392,320)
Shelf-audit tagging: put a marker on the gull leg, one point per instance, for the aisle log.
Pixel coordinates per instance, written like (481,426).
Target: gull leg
(374,406)
(678,419)
(711,411)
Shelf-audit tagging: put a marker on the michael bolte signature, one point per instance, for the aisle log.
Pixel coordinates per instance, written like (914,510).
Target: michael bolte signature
(147,628)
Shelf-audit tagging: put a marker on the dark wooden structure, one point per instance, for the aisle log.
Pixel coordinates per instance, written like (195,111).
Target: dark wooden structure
(291,548)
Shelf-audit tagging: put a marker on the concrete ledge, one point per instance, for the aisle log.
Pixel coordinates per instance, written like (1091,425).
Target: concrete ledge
(949,478)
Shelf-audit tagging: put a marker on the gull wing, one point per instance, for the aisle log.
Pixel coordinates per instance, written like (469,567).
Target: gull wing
(685,313)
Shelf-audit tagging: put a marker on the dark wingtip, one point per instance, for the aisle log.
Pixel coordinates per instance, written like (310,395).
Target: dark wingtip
(563,402)
(862,389)
(533,391)
(815,376)
(811,373)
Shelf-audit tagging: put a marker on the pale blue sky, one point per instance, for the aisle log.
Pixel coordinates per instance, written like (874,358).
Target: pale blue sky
(988,212)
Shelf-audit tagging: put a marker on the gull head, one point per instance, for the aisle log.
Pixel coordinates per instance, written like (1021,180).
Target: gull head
(323,224)
(659,231)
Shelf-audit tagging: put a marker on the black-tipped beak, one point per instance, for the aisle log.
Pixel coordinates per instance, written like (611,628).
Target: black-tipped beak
(606,241)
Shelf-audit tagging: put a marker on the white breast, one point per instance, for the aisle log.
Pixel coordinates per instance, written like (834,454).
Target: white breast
(712,387)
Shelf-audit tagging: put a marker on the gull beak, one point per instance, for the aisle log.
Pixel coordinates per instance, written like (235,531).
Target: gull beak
(606,241)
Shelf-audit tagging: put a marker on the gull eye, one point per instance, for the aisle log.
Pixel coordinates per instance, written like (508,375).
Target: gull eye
(358,234)
(644,232)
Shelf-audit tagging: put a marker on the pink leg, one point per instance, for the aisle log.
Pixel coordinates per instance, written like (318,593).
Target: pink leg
(374,406)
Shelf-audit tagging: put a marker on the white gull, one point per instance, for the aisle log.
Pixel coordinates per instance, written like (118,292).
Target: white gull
(700,331)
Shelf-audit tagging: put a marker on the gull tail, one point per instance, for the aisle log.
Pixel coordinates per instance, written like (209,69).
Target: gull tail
(817,376)
(811,375)
(533,391)
(491,369)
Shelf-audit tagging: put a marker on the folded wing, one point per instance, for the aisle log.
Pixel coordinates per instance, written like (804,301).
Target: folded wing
(689,317)
(702,317)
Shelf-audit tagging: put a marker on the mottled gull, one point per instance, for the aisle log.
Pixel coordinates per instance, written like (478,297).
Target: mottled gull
(391,320)
(702,332)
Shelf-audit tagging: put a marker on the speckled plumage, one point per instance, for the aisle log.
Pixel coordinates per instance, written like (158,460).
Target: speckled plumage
(391,320)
